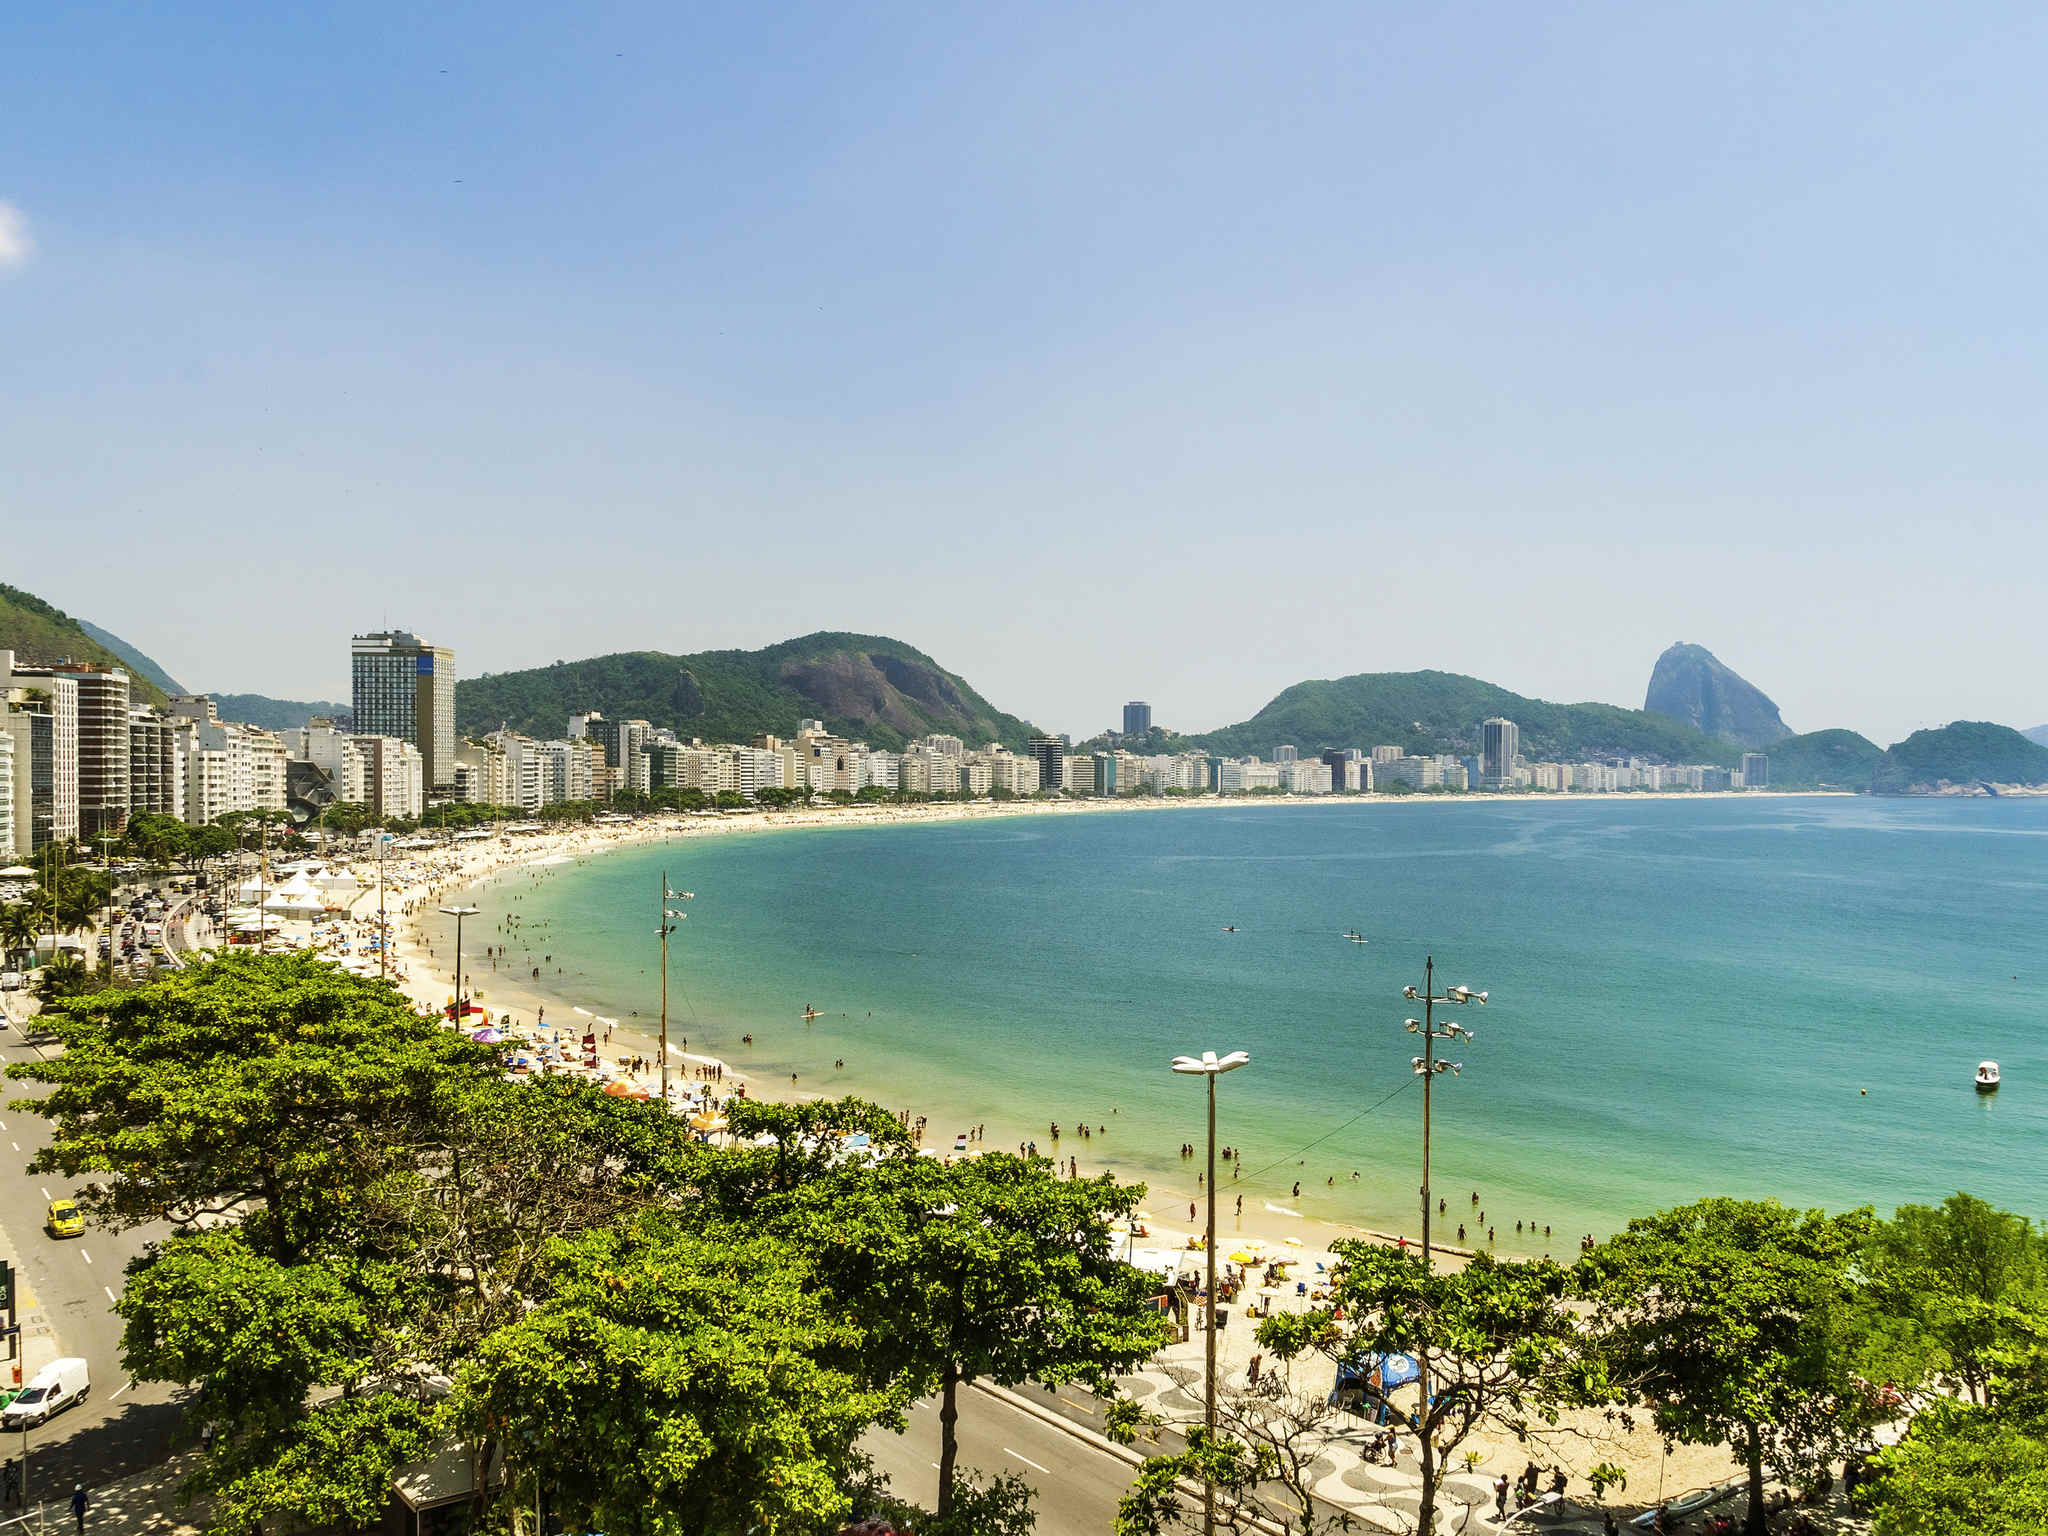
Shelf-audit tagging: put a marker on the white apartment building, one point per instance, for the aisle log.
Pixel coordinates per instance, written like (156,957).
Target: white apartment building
(945,746)
(229,767)
(1309,776)
(1013,774)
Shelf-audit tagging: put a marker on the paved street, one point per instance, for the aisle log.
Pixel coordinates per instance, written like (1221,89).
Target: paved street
(121,1428)
(1077,1485)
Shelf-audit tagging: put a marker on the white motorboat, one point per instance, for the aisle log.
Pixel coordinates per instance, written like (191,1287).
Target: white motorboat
(1987,1077)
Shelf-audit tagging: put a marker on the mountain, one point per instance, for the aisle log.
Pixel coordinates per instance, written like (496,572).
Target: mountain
(138,664)
(1824,760)
(1692,685)
(864,687)
(1965,756)
(1429,712)
(275,714)
(2038,734)
(40,632)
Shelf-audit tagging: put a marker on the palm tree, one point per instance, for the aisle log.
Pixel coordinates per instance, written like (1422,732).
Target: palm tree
(18,929)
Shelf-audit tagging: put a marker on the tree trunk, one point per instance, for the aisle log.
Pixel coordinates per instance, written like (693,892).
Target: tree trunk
(1425,1517)
(1753,1452)
(949,1414)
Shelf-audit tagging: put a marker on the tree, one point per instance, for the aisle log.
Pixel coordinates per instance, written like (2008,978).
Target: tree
(1498,1342)
(1936,1273)
(677,1383)
(1271,1442)
(1733,1318)
(18,930)
(273,1080)
(1980,1467)
(989,1268)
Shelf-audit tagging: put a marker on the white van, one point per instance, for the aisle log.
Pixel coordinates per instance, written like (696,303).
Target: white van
(10,981)
(57,1386)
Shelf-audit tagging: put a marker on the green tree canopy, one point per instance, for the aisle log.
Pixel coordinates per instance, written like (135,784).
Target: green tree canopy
(676,1383)
(1733,1318)
(992,1268)
(1498,1340)
(278,1081)
(1936,1274)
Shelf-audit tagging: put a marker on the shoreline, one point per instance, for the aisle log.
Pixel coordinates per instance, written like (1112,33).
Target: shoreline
(459,869)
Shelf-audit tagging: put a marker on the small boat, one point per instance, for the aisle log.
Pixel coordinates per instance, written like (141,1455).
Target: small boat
(1987,1077)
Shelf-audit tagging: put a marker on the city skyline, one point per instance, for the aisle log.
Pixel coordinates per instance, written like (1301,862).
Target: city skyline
(647,331)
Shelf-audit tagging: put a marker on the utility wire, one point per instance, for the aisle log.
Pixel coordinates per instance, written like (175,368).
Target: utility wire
(1369,1109)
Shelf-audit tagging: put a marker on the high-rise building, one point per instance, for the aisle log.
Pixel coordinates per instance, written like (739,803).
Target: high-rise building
(1050,753)
(156,766)
(1286,754)
(404,687)
(1500,742)
(1137,718)
(1756,770)
(42,709)
(102,747)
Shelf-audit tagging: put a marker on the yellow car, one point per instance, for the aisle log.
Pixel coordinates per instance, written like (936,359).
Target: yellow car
(65,1219)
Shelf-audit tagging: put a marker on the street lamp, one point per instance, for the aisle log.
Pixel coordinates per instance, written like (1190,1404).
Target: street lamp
(1427,1067)
(1211,1066)
(459,913)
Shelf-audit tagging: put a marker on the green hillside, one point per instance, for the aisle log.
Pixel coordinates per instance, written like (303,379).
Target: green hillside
(270,714)
(1429,712)
(139,665)
(1824,760)
(865,687)
(40,632)
(1966,752)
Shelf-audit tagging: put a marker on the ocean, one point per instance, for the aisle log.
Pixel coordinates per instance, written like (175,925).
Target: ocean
(1765,996)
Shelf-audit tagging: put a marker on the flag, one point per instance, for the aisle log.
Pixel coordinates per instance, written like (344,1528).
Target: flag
(679,895)
(671,912)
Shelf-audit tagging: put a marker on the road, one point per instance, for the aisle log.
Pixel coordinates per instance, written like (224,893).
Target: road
(1078,1486)
(121,1428)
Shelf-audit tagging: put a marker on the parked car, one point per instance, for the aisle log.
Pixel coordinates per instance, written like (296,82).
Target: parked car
(57,1386)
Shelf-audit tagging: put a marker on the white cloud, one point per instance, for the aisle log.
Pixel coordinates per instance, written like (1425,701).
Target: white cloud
(15,245)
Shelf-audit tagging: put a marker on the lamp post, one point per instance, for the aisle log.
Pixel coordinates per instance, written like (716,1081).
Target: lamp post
(383,928)
(459,913)
(1427,1067)
(1211,1066)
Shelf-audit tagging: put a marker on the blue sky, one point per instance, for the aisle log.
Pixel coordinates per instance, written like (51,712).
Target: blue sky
(1177,352)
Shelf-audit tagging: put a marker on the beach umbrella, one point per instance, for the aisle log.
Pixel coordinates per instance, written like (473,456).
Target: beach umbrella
(487,1036)
(707,1122)
(1293,1242)
(620,1088)
(1244,1256)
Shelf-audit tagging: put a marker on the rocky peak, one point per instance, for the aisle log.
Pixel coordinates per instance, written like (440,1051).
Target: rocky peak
(1692,685)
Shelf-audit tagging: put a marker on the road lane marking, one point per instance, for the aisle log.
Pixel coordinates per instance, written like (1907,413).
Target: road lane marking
(1028,1461)
(17,1146)
(120,1389)
(110,1292)
(85,1256)
(46,1194)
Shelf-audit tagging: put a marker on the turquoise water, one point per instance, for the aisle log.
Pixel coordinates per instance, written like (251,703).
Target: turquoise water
(1756,997)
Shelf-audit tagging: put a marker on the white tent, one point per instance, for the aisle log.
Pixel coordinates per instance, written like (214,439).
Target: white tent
(338,882)
(297,897)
